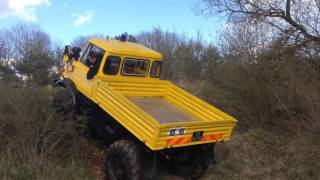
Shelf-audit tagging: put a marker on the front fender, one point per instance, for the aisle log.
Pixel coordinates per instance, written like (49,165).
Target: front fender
(58,82)
(68,83)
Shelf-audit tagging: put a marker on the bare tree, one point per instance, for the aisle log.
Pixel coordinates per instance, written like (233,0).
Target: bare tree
(6,54)
(245,41)
(185,59)
(165,42)
(82,41)
(297,20)
(27,51)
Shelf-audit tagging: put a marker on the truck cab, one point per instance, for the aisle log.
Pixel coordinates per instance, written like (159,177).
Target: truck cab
(118,60)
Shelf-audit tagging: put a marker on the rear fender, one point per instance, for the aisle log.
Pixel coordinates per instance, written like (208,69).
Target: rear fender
(67,83)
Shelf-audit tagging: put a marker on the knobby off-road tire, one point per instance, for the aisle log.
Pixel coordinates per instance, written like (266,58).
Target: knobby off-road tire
(201,158)
(64,100)
(199,167)
(66,104)
(123,161)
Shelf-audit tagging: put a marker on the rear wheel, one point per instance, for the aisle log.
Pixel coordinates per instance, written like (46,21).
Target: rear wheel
(193,162)
(201,158)
(123,161)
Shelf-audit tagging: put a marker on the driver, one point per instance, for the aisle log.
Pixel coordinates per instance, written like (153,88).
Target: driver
(93,61)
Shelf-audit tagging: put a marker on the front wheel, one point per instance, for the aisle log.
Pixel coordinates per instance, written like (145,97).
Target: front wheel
(123,161)
(64,100)
(66,105)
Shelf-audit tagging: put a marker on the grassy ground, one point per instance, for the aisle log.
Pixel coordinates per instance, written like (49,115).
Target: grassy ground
(261,154)
(35,143)
(285,147)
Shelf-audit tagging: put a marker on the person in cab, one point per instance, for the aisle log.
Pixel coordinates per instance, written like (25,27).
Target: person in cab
(93,62)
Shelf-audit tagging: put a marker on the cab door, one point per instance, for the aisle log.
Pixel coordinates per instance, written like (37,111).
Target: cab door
(81,68)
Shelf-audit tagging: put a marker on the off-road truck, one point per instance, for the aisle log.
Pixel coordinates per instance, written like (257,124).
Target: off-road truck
(145,119)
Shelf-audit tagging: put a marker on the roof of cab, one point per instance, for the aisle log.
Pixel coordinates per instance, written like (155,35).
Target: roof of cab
(126,48)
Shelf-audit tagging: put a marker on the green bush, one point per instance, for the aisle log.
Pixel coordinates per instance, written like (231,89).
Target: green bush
(36,143)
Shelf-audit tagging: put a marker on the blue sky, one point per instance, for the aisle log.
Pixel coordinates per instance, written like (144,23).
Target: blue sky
(66,19)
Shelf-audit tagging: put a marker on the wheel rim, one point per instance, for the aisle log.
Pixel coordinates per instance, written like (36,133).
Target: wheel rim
(117,167)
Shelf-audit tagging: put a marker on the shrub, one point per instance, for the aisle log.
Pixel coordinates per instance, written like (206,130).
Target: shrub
(36,143)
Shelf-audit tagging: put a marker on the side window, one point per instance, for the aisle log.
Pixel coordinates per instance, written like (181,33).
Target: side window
(90,49)
(112,65)
(135,67)
(156,69)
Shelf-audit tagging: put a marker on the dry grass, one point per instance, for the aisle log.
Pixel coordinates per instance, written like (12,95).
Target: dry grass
(261,154)
(265,148)
(35,142)
(277,102)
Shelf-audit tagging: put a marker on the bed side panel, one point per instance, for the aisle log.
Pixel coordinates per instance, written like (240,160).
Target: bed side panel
(127,114)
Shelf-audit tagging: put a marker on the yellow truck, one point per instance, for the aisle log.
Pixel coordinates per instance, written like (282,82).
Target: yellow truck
(140,112)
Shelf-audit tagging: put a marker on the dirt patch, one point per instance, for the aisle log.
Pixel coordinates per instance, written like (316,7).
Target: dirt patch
(96,155)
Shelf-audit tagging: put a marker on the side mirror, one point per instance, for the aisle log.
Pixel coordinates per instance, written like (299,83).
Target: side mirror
(76,53)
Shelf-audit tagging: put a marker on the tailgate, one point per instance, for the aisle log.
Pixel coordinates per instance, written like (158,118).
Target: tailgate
(212,125)
(192,133)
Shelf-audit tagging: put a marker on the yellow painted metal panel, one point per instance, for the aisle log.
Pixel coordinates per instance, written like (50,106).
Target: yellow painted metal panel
(126,48)
(201,104)
(111,96)
(126,112)
(207,127)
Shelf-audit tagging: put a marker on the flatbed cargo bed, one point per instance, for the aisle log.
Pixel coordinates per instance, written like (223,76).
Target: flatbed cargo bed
(162,110)
(159,113)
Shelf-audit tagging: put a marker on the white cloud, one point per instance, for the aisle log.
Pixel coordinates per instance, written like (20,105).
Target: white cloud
(84,18)
(24,9)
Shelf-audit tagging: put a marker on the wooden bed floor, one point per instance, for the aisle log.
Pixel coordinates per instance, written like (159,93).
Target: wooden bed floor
(161,110)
